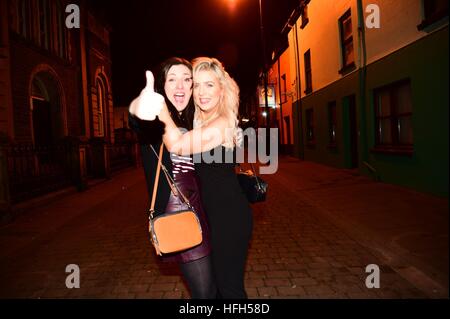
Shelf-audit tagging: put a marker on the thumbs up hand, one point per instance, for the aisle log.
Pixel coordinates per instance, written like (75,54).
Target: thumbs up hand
(149,103)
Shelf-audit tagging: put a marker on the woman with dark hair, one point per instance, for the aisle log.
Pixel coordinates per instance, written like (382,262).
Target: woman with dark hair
(212,140)
(174,83)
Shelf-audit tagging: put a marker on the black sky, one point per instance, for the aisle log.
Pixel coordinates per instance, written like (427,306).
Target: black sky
(144,33)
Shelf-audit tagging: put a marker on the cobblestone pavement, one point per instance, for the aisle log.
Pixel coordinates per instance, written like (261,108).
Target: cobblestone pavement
(296,251)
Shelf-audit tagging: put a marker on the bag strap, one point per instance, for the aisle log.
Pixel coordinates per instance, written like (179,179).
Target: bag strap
(258,184)
(155,184)
(256,176)
(172,184)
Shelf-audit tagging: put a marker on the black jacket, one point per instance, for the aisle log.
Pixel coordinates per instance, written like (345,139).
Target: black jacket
(150,133)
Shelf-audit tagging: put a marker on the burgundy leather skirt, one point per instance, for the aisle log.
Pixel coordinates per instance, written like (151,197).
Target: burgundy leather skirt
(188,184)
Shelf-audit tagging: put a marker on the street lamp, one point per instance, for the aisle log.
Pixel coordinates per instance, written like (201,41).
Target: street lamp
(263,43)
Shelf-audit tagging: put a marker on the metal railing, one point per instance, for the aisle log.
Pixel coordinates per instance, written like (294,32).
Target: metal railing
(35,170)
(121,156)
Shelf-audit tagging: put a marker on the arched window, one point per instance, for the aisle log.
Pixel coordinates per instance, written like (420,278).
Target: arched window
(41,114)
(101,106)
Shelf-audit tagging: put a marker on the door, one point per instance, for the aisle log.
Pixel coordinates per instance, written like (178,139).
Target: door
(42,123)
(288,133)
(353,131)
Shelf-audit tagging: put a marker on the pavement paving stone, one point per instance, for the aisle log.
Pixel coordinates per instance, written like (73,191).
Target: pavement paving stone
(297,250)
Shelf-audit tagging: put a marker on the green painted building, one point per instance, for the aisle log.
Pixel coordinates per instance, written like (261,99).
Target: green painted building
(379,102)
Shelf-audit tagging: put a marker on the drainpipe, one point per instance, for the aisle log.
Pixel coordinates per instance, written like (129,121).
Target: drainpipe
(299,96)
(88,132)
(281,106)
(362,54)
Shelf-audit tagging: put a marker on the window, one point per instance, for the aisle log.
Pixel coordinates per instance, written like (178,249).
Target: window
(284,94)
(24,10)
(60,26)
(304,14)
(100,107)
(44,22)
(332,123)
(34,22)
(433,11)
(310,126)
(348,58)
(393,116)
(308,73)
(287,122)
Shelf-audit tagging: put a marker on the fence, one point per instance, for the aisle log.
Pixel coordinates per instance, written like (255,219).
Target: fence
(34,171)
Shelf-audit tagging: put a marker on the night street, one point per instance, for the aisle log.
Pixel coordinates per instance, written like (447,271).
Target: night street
(313,238)
(347,101)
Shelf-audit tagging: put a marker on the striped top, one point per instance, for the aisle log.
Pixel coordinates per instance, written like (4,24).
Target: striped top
(181,164)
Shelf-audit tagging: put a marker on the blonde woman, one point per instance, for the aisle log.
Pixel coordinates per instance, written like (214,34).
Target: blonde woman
(212,141)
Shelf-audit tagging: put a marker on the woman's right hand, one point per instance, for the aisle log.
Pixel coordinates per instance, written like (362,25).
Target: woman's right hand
(148,104)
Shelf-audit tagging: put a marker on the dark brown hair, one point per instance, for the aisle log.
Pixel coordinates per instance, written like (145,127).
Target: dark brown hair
(186,118)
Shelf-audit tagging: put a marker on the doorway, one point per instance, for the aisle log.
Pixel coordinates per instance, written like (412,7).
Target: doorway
(353,131)
(42,122)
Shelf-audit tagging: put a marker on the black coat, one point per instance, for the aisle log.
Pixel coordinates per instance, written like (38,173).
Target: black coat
(150,133)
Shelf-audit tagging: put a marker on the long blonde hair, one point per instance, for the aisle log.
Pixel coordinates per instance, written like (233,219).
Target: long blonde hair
(229,103)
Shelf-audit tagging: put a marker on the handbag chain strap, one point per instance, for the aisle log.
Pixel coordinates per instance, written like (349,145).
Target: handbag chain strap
(169,179)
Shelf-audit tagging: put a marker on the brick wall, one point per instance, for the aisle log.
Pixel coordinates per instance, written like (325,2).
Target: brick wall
(24,59)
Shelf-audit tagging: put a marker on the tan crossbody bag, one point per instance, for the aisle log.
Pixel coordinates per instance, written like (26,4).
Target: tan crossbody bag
(173,231)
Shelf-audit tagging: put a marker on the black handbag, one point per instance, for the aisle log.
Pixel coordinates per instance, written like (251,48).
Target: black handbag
(254,187)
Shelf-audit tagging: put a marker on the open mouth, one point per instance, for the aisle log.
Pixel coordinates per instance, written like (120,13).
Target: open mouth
(204,101)
(179,97)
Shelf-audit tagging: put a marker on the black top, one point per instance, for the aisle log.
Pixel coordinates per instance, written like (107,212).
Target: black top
(222,195)
(150,133)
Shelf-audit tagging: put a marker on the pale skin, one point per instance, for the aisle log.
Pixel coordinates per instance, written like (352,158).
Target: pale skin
(207,94)
(178,86)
